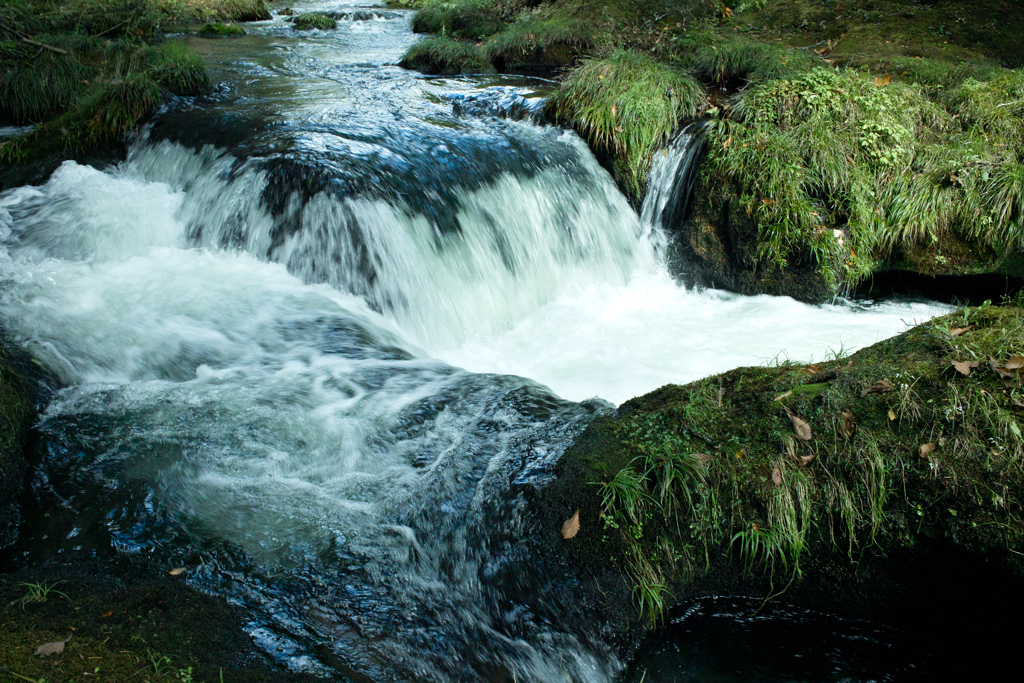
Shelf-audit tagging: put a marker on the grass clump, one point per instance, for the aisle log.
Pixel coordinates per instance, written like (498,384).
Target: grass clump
(318,21)
(214,10)
(727,60)
(91,71)
(469,19)
(532,40)
(847,169)
(895,444)
(447,56)
(626,105)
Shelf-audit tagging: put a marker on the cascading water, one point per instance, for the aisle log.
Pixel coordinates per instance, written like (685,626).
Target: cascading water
(259,345)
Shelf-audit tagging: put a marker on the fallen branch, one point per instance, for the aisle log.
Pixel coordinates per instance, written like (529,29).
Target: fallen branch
(44,46)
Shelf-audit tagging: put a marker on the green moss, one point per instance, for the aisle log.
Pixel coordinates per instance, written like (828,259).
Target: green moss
(220,30)
(626,105)
(697,478)
(446,56)
(321,22)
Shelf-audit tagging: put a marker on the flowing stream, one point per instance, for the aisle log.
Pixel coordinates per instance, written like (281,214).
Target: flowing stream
(321,331)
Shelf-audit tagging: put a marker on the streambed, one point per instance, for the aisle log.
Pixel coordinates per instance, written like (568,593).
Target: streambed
(322,333)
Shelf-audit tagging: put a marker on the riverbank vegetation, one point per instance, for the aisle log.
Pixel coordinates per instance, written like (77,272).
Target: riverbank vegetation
(83,73)
(791,470)
(843,139)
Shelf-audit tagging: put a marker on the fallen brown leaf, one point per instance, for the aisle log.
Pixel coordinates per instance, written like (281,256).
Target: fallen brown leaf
(1017,403)
(881,81)
(1015,363)
(811,369)
(806,460)
(702,458)
(782,396)
(108,613)
(892,415)
(926,449)
(957,331)
(54,648)
(964,367)
(880,387)
(776,476)
(1002,370)
(176,571)
(846,424)
(802,429)
(571,526)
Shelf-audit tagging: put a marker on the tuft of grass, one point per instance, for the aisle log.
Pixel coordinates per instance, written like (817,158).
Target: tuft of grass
(711,58)
(180,69)
(532,39)
(469,19)
(441,55)
(38,592)
(627,105)
(318,21)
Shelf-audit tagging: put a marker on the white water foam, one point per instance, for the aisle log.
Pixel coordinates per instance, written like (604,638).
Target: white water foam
(618,342)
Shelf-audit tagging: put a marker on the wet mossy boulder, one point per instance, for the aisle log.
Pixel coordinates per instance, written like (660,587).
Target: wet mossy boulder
(834,482)
(221,30)
(16,415)
(317,21)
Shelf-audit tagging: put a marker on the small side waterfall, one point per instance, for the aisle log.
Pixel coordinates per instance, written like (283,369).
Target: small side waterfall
(672,178)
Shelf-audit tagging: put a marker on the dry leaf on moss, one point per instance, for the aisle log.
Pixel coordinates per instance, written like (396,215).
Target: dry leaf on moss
(846,424)
(571,527)
(880,387)
(802,429)
(806,460)
(964,367)
(782,396)
(176,571)
(926,449)
(54,648)
(957,331)
(777,475)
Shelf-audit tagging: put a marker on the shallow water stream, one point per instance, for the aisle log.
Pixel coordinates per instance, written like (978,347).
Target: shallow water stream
(320,331)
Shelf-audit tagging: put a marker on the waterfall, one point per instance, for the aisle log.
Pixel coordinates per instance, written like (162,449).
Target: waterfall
(670,183)
(323,362)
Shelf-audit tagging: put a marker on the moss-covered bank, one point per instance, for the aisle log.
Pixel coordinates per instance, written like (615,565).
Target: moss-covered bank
(832,479)
(84,73)
(844,140)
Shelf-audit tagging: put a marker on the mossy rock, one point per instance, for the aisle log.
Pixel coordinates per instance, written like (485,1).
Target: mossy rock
(320,22)
(761,477)
(221,30)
